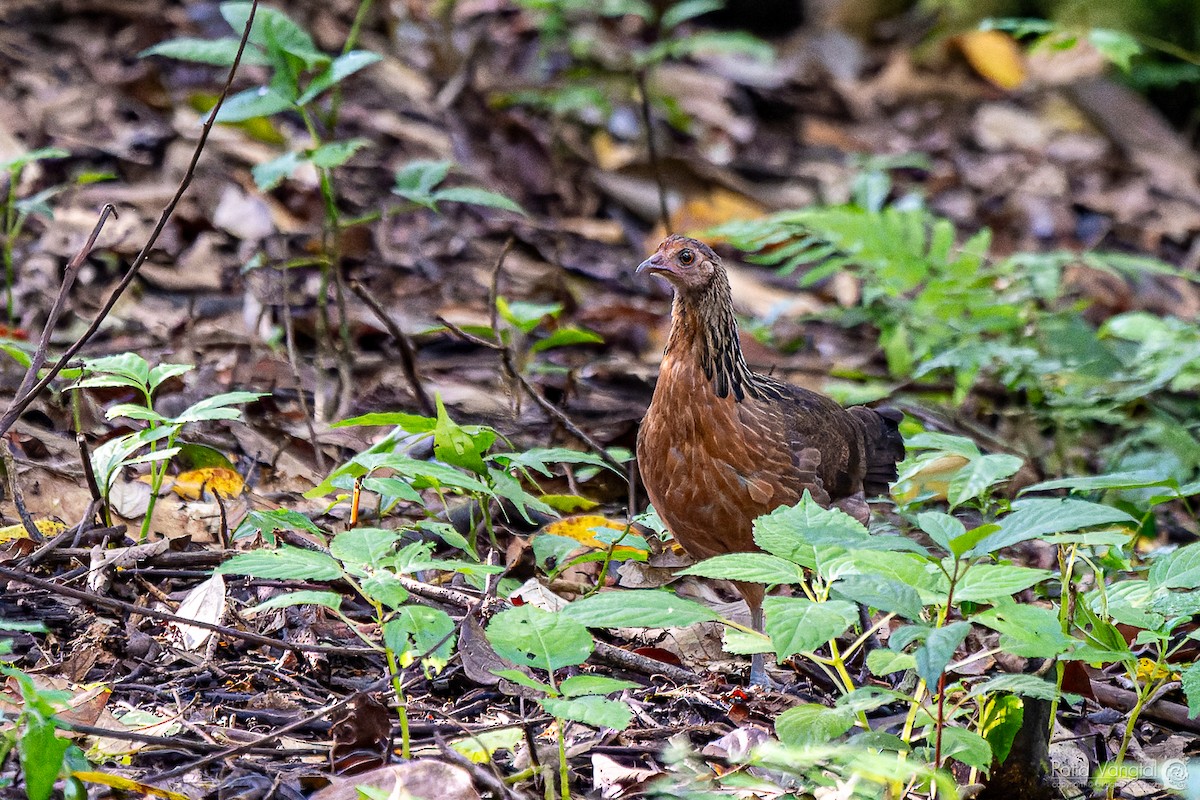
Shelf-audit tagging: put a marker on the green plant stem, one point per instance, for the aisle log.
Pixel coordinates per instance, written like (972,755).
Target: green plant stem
(564,776)
(401,703)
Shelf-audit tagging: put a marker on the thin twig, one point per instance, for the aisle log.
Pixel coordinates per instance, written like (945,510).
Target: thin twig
(652,150)
(289,336)
(89,475)
(494,288)
(22,400)
(10,467)
(129,608)
(408,353)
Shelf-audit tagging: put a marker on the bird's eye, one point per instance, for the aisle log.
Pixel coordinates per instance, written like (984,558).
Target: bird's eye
(686,257)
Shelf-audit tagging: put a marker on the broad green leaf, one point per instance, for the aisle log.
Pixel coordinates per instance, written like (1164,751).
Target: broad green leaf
(938,650)
(338,70)
(126,365)
(217,407)
(270,174)
(687,9)
(1019,684)
(1118,47)
(886,594)
(164,372)
(475,196)
(363,549)
(966,746)
(134,411)
(979,474)
(749,567)
(1130,479)
(942,528)
(798,625)
(41,755)
(286,562)
(1000,721)
(525,315)
(1191,689)
(531,637)
(638,608)
(419,178)
(744,643)
(218,52)
(884,662)
(454,445)
(566,336)
(384,587)
(412,423)
(1026,630)
(392,489)
(260,101)
(1034,517)
(272,29)
(420,632)
(811,723)
(19,162)
(268,522)
(578,685)
(335,154)
(1177,570)
(305,597)
(984,583)
(521,679)
(599,712)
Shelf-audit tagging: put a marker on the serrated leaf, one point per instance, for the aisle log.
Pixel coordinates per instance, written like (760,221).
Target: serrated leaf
(578,685)
(798,625)
(966,746)
(420,632)
(979,474)
(984,583)
(875,591)
(938,650)
(286,562)
(1177,570)
(750,567)
(598,712)
(1034,517)
(638,608)
(360,549)
(810,723)
(531,637)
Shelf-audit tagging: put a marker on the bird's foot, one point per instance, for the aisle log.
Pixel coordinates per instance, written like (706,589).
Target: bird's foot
(759,677)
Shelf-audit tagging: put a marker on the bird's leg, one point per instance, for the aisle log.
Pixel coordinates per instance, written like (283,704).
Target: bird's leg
(758,667)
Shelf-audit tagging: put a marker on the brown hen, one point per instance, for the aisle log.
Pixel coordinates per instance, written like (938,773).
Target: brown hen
(722,445)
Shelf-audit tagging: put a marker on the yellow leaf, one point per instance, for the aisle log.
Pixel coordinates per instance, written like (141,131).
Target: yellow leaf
(566,503)
(1149,670)
(716,207)
(126,784)
(995,56)
(580,529)
(932,478)
(218,480)
(47,527)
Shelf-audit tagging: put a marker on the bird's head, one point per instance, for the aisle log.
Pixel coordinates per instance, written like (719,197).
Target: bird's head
(688,264)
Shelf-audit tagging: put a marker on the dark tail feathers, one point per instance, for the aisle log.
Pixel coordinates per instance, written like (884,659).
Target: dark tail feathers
(884,446)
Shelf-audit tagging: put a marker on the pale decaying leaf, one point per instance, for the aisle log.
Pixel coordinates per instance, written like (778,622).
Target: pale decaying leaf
(103,560)
(129,499)
(424,779)
(534,593)
(995,56)
(615,780)
(205,603)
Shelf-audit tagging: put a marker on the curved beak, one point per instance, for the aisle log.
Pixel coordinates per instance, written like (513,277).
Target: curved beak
(653,264)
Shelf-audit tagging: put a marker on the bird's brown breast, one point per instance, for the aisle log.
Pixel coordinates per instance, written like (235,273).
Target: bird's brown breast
(711,465)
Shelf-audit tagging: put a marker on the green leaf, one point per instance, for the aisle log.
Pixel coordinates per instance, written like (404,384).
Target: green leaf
(810,723)
(415,631)
(687,9)
(1130,479)
(744,643)
(1118,47)
(453,444)
(271,173)
(984,583)
(41,755)
(217,407)
(531,637)
(19,162)
(268,522)
(750,567)
(1191,689)
(564,337)
(966,746)
(884,662)
(525,315)
(475,196)
(979,474)
(1019,684)
(521,679)
(384,587)
(218,52)
(418,178)
(411,423)
(335,154)
(164,372)
(1026,630)
(338,70)
(999,722)
(938,650)
(286,562)
(799,625)
(1034,517)
(273,30)
(638,608)
(942,528)
(598,712)
(305,597)
(261,101)
(578,685)
(876,591)
(360,549)
(1177,570)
